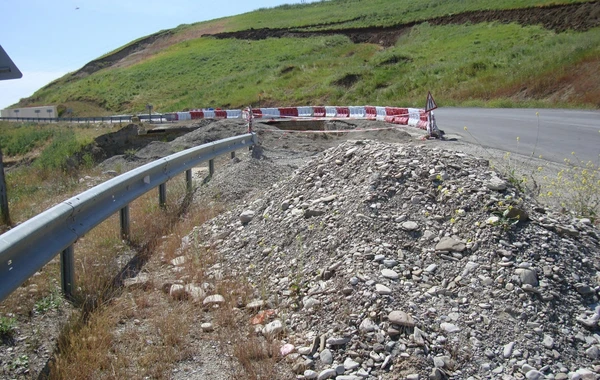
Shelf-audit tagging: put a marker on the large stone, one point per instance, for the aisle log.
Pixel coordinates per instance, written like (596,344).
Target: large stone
(496,183)
(329,373)
(450,244)
(177,291)
(326,356)
(367,325)
(516,213)
(246,216)
(214,299)
(527,276)
(449,327)
(410,225)
(350,364)
(401,318)
(196,293)
(382,290)
(388,273)
(273,328)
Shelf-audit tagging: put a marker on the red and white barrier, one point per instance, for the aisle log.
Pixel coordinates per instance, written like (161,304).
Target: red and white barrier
(414,117)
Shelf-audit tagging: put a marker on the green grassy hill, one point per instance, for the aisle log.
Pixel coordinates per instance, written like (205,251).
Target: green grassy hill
(511,53)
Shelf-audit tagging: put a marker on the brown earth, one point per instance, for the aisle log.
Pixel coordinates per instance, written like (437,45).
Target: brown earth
(578,17)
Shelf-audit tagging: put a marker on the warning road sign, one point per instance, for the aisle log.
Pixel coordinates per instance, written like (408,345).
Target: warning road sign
(430,106)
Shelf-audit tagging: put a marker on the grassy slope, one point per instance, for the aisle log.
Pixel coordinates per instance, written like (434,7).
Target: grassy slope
(483,64)
(372,13)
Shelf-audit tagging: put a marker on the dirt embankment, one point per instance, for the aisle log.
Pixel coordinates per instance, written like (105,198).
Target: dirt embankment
(578,17)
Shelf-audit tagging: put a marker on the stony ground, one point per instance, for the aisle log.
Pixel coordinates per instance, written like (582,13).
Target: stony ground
(383,256)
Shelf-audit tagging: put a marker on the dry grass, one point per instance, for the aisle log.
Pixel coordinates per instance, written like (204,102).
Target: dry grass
(149,333)
(142,332)
(256,356)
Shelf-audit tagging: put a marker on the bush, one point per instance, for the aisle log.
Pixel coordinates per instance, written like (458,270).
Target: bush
(7,327)
(576,188)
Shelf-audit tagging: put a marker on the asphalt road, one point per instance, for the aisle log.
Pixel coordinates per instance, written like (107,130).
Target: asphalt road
(554,134)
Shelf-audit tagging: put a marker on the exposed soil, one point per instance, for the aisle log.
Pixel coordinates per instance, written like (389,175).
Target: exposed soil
(578,17)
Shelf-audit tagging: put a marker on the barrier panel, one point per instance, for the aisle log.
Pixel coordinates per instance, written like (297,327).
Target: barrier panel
(330,111)
(221,114)
(319,112)
(357,112)
(209,114)
(413,117)
(234,114)
(183,116)
(305,111)
(270,112)
(196,115)
(342,112)
(371,112)
(380,113)
(288,111)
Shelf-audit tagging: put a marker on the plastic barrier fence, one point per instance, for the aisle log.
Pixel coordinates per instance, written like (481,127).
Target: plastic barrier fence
(413,117)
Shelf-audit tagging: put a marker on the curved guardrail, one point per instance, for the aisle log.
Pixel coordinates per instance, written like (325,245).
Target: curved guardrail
(94,119)
(29,246)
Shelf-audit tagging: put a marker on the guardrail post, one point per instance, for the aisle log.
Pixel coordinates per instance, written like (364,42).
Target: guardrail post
(211,167)
(124,214)
(188,180)
(3,195)
(67,271)
(162,194)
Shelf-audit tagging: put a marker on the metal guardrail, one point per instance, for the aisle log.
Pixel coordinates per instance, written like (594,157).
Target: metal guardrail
(95,119)
(29,246)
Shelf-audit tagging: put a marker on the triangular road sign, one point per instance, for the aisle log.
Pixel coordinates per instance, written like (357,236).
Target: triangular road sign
(430,103)
(8,70)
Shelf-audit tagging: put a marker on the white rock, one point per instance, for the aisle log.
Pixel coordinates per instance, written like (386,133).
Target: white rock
(246,216)
(508,349)
(273,328)
(329,373)
(350,364)
(382,289)
(177,291)
(207,327)
(213,299)
(449,327)
(388,273)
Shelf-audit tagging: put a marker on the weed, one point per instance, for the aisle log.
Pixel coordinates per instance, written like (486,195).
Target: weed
(256,356)
(576,188)
(50,302)
(20,362)
(7,327)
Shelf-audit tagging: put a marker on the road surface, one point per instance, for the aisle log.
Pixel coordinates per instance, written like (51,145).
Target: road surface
(554,134)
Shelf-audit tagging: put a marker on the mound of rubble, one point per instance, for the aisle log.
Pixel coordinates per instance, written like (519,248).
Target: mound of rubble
(389,261)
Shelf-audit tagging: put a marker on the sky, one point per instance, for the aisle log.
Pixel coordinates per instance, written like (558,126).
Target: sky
(48,39)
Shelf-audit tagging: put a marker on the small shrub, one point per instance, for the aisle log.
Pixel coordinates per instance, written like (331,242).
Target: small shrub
(576,188)
(51,302)
(7,327)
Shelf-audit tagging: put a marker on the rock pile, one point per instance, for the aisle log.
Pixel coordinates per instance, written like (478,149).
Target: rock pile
(381,260)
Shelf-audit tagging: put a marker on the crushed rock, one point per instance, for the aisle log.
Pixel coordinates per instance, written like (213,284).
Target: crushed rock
(324,237)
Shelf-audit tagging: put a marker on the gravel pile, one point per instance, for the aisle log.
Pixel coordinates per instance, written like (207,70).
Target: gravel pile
(386,260)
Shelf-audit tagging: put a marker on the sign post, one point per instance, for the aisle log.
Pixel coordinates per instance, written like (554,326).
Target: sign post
(8,70)
(430,106)
(149,107)
(3,195)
